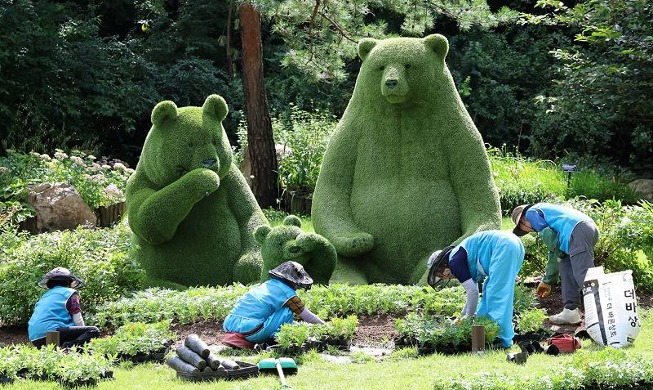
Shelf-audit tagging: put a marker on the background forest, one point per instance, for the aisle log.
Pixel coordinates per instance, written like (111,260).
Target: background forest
(551,80)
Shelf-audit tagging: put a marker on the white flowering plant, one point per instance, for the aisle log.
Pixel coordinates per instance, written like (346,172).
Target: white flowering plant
(99,182)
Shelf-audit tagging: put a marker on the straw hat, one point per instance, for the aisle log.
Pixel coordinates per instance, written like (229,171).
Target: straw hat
(517,213)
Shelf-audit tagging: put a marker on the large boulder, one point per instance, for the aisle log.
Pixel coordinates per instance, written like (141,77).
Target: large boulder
(643,188)
(59,207)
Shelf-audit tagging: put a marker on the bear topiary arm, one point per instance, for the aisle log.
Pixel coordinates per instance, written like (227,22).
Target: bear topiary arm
(331,210)
(477,194)
(243,205)
(322,256)
(155,215)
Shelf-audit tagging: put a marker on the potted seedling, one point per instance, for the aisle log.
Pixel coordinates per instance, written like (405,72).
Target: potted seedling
(529,325)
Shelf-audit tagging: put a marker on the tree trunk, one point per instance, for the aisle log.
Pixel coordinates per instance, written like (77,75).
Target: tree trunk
(259,127)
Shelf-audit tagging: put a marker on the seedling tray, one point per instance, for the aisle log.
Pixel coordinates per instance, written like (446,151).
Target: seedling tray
(246,370)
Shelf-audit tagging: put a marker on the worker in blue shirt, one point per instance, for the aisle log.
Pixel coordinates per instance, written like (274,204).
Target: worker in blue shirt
(494,256)
(577,235)
(260,313)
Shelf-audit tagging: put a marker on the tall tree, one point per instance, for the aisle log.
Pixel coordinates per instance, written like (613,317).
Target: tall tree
(261,148)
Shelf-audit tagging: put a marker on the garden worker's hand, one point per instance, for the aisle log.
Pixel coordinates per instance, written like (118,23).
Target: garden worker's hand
(543,290)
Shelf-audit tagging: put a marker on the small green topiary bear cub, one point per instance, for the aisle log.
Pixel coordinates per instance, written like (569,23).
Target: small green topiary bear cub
(288,242)
(192,214)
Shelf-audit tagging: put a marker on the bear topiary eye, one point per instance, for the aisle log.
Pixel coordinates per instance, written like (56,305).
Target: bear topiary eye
(408,66)
(381,67)
(190,145)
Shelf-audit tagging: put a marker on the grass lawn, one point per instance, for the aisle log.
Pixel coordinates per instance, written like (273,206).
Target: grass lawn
(400,370)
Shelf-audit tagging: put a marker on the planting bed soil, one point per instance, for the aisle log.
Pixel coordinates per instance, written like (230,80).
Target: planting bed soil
(372,331)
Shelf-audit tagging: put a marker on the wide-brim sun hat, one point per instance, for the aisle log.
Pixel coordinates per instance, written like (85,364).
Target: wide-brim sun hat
(517,213)
(438,258)
(61,274)
(293,272)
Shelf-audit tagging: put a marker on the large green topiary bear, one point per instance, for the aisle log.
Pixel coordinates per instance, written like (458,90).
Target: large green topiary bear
(192,214)
(288,242)
(406,171)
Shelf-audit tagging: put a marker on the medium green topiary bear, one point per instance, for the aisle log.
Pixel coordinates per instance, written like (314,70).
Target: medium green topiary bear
(406,171)
(288,242)
(192,214)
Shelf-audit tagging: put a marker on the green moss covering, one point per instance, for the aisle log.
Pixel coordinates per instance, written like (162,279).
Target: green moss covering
(406,171)
(288,242)
(192,214)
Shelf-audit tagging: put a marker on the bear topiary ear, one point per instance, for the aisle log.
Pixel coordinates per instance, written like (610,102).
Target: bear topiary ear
(163,112)
(365,46)
(438,43)
(261,232)
(215,106)
(292,220)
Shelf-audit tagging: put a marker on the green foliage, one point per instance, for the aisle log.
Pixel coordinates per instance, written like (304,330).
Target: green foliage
(610,368)
(134,338)
(99,183)
(335,300)
(296,334)
(320,37)
(524,299)
(440,332)
(594,185)
(521,180)
(600,105)
(625,239)
(305,135)
(100,257)
(531,320)
(499,73)
(49,363)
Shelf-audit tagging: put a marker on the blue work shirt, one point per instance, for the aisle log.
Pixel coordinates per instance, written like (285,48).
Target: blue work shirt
(259,304)
(50,312)
(560,219)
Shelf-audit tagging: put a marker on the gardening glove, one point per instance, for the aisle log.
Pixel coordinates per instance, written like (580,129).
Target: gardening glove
(543,290)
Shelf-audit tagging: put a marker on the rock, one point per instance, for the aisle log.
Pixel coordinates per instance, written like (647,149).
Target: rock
(58,207)
(643,188)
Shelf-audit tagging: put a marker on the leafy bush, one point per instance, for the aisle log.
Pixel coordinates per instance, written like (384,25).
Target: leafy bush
(100,257)
(593,185)
(439,332)
(306,135)
(625,239)
(50,363)
(530,320)
(99,183)
(133,339)
(521,180)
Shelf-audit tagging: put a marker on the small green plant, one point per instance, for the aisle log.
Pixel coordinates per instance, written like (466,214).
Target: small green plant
(134,339)
(531,320)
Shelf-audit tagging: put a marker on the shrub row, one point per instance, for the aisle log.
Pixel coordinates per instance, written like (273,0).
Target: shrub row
(101,257)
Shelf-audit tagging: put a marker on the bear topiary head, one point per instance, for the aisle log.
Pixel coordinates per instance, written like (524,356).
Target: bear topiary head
(279,243)
(183,139)
(402,69)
